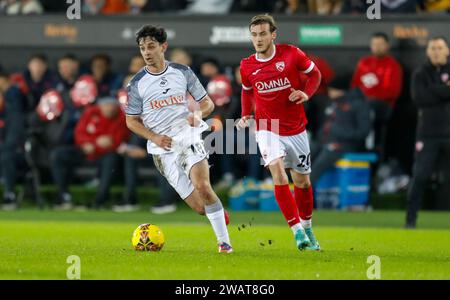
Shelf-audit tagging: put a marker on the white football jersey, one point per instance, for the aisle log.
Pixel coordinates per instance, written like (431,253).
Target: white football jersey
(160,99)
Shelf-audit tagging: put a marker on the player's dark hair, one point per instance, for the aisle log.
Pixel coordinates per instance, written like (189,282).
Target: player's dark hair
(263,19)
(439,37)
(381,35)
(153,32)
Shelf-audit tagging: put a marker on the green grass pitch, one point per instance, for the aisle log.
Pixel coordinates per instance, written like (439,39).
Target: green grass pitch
(35,245)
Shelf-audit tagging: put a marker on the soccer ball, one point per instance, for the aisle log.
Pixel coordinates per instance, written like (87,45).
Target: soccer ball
(148,237)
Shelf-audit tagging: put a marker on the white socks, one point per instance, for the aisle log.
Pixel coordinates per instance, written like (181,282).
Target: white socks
(306,223)
(302,225)
(296,227)
(215,214)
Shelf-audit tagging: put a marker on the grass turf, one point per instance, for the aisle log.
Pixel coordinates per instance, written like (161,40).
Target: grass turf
(35,245)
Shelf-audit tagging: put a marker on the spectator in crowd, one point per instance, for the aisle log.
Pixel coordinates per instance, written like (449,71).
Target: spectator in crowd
(397,7)
(217,7)
(61,131)
(143,6)
(290,7)
(135,65)
(38,79)
(435,6)
(210,71)
(226,108)
(325,7)
(354,7)
(380,77)
(251,161)
(68,71)
(345,129)
(54,6)
(108,83)
(133,152)
(315,109)
(21,7)
(115,7)
(209,68)
(95,7)
(256,6)
(98,135)
(139,6)
(180,56)
(12,131)
(431,93)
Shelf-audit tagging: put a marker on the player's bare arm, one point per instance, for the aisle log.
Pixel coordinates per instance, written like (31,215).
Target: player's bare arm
(206,108)
(134,123)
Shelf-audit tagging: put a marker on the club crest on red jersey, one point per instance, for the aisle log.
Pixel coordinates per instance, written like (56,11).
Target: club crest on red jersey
(280,66)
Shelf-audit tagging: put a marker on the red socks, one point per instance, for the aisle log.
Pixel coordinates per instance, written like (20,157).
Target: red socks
(304,199)
(295,209)
(286,202)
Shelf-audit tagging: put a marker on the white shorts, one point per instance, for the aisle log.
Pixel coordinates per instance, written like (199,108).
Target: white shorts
(294,149)
(176,167)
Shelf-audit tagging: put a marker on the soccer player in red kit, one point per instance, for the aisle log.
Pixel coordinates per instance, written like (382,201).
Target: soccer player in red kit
(272,87)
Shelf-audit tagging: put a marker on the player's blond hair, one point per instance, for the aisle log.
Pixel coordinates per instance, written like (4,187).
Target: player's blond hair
(263,19)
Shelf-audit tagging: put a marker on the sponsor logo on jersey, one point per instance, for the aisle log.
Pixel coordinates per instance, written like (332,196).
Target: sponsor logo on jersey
(273,85)
(172,100)
(280,66)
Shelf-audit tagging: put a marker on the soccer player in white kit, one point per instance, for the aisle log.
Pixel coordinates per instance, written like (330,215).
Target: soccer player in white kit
(158,111)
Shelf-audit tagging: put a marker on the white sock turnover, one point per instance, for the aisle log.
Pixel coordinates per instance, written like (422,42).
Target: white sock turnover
(216,217)
(306,223)
(296,227)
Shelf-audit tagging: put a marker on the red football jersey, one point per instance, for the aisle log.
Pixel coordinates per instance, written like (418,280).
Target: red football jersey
(270,81)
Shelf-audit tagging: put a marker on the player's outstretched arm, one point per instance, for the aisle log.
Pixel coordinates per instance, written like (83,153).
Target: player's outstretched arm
(134,123)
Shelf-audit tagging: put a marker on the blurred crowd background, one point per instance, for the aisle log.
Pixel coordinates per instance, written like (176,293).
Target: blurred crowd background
(62,120)
(317,7)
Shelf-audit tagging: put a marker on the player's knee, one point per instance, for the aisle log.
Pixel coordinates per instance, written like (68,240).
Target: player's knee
(200,210)
(203,187)
(278,173)
(280,177)
(304,183)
